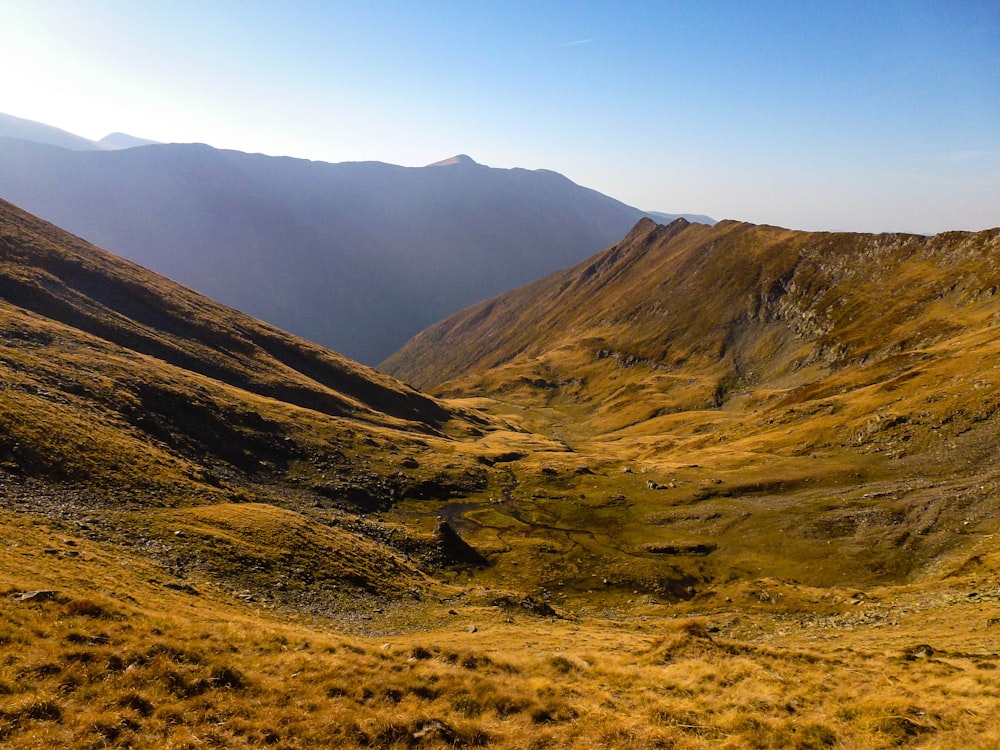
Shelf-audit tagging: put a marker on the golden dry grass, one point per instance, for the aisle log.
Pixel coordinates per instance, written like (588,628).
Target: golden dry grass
(117,659)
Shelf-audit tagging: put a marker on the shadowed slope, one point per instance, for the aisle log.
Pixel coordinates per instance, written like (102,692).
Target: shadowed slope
(203,439)
(117,378)
(62,278)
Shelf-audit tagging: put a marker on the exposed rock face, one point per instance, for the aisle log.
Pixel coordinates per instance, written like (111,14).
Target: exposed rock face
(36,596)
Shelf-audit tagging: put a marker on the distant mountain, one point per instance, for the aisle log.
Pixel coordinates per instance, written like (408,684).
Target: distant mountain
(355,256)
(117,141)
(661,218)
(29,130)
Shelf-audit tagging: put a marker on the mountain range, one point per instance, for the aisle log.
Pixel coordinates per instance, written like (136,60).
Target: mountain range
(694,489)
(355,256)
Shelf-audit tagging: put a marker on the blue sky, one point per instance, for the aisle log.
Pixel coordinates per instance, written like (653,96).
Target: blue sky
(865,116)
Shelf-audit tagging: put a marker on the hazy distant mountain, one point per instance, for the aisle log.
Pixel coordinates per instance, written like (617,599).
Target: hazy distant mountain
(356,256)
(661,218)
(117,141)
(29,130)
(16,127)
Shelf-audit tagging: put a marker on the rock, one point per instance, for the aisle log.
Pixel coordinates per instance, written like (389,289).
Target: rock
(435,729)
(512,602)
(410,463)
(186,588)
(922,651)
(656,485)
(473,629)
(43,595)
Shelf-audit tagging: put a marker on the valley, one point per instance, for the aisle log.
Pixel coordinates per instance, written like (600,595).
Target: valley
(356,256)
(716,486)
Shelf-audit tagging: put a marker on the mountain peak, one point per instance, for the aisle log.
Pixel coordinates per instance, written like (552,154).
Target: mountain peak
(119,141)
(457,159)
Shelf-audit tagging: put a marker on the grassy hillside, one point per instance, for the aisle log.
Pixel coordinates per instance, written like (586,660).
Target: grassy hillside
(133,400)
(738,401)
(215,534)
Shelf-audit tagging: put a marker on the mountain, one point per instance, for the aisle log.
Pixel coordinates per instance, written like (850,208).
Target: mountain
(36,132)
(28,130)
(213,529)
(693,298)
(355,256)
(142,406)
(808,370)
(103,355)
(661,218)
(118,141)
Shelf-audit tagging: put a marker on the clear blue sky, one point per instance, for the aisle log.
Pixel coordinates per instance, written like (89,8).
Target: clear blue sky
(867,116)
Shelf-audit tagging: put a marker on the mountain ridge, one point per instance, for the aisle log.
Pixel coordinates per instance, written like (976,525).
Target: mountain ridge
(356,256)
(30,130)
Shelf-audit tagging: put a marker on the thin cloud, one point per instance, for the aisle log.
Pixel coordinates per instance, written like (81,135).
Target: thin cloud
(573,44)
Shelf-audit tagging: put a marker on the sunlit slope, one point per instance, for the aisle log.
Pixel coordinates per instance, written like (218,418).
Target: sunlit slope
(130,402)
(733,318)
(742,401)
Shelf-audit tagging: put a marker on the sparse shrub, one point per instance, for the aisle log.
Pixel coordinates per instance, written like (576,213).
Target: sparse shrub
(70,682)
(813,737)
(137,703)
(506,705)
(170,652)
(106,730)
(552,714)
(227,677)
(40,671)
(178,684)
(467,705)
(87,608)
(38,709)
(336,691)
(81,657)
(420,653)
(424,692)
(562,665)
(472,661)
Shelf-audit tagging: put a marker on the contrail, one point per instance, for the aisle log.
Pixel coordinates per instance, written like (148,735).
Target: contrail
(578,41)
